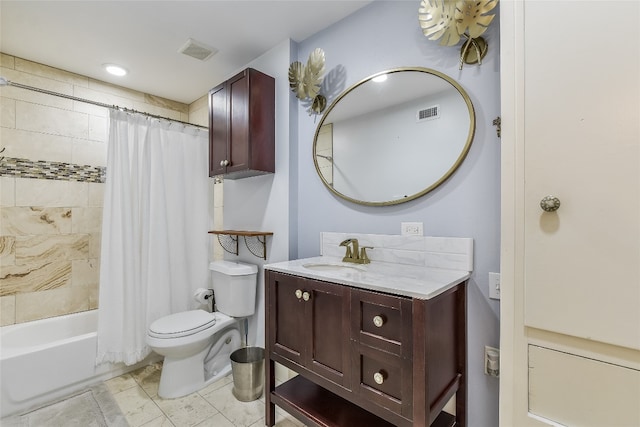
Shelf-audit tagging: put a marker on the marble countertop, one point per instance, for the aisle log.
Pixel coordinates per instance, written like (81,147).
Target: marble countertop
(398,279)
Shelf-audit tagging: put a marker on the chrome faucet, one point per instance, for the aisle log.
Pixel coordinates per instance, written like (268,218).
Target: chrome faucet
(354,253)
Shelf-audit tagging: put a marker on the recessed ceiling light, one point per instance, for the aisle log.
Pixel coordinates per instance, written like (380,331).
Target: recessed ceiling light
(380,78)
(116,70)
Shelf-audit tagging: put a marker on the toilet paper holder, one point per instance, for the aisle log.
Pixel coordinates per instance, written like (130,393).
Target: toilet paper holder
(204,296)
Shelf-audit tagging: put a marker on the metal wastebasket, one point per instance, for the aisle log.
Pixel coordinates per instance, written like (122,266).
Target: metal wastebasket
(247,369)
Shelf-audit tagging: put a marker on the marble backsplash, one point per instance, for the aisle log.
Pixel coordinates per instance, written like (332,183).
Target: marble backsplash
(453,253)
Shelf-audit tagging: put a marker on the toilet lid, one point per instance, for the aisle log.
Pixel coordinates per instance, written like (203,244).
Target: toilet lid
(182,324)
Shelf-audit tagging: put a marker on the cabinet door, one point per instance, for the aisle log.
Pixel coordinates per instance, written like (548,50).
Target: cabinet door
(218,125)
(238,99)
(570,278)
(287,323)
(328,322)
(582,144)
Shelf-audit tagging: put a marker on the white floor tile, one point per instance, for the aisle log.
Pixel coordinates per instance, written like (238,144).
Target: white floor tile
(217,420)
(241,414)
(137,406)
(187,411)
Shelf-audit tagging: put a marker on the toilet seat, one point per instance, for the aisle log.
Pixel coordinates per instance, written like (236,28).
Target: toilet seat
(181,324)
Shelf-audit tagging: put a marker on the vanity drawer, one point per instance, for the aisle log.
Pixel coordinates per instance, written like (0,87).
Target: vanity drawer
(382,321)
(383,378)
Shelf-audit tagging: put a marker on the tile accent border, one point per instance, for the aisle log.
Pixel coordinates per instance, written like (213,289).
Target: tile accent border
(43,169)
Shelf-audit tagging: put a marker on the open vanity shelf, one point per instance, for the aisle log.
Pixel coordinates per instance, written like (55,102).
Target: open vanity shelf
(310,402)
(255,241)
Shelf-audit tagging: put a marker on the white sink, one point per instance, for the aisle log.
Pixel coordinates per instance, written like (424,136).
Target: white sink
(332,267)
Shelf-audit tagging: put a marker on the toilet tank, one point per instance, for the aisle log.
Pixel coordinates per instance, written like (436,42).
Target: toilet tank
(234,286)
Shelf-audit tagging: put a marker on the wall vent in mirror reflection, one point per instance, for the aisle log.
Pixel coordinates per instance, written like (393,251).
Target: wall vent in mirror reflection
(430,113)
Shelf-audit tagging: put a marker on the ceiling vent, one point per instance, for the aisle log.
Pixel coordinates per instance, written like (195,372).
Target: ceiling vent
(197,50)
(430,113)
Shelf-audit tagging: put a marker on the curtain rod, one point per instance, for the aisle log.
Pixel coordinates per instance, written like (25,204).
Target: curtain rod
(5,82)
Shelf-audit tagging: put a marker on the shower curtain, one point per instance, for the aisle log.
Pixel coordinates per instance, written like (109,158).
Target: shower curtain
(154,230)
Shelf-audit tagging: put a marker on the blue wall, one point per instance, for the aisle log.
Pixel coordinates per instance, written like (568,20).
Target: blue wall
(387,35)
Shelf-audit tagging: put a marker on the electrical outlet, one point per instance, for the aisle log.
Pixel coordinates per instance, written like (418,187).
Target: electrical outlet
(494,285)
(411,229)
(491,361)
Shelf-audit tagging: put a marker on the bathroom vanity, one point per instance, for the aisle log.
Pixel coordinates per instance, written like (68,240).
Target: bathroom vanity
(374,345)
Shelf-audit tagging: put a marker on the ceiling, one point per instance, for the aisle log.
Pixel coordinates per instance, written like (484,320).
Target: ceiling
(145,36)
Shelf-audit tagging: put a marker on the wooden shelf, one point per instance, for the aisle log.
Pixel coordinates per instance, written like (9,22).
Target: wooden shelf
(310,403)
(316,406)
(255,241)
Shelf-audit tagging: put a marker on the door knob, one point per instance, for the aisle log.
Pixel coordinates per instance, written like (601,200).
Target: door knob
(550,203)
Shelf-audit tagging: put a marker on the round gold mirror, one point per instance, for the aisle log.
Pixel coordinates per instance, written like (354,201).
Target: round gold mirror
(394,136)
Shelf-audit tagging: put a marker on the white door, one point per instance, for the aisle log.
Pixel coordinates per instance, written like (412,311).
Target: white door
(570,278)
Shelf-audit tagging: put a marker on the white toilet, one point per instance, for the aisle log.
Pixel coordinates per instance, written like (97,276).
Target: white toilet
(196,344)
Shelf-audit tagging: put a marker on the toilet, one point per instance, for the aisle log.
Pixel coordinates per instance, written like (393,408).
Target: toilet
(196,344)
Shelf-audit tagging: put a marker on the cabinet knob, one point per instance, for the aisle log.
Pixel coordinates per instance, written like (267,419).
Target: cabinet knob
(378,377)
(306,296)
(550,203)
(378,321)
(224,163)
(298,293)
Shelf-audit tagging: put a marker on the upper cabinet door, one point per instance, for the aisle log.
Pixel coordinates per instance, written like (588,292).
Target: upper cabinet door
(218,126)
(239,125)
(242,126)
(582,145)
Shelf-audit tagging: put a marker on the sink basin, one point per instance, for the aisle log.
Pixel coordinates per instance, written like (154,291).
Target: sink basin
(331,267)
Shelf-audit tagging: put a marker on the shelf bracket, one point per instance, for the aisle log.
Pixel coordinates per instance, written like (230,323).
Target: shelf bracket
(229,243)
(258,246)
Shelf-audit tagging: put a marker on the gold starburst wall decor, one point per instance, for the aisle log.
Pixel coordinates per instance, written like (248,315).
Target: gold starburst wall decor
(451,20)
(305,81)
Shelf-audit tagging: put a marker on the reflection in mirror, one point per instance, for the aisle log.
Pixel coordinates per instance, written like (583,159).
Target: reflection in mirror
(388,142)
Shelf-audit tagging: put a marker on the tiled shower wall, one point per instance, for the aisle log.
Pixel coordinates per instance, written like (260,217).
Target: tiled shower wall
(51,186)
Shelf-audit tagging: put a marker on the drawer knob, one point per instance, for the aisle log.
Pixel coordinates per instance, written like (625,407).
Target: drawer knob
(306,296)
(298,293)
(378,321)
(378,377)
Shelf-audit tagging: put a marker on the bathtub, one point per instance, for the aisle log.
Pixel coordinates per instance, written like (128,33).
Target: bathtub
(45,360)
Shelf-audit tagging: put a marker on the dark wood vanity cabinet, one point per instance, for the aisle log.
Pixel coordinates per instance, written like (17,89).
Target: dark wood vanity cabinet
(364,358)
(242,126)
(311,328)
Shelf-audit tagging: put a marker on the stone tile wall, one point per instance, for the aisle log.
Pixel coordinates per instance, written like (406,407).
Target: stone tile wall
(51,186)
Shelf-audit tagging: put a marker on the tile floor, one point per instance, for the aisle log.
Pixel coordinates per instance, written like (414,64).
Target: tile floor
(214,406)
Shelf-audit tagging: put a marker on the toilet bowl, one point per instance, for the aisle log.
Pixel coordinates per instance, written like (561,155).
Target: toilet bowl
(196,344)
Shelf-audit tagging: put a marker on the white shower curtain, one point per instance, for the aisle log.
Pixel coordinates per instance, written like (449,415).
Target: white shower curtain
(154,230)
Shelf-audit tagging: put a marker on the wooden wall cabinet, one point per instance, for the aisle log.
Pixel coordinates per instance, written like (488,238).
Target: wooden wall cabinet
(242,126)
(364,357)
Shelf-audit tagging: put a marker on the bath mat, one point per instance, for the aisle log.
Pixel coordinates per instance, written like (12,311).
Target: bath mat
(94,407)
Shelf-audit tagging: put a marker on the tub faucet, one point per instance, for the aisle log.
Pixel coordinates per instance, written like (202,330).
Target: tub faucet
(354,253)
